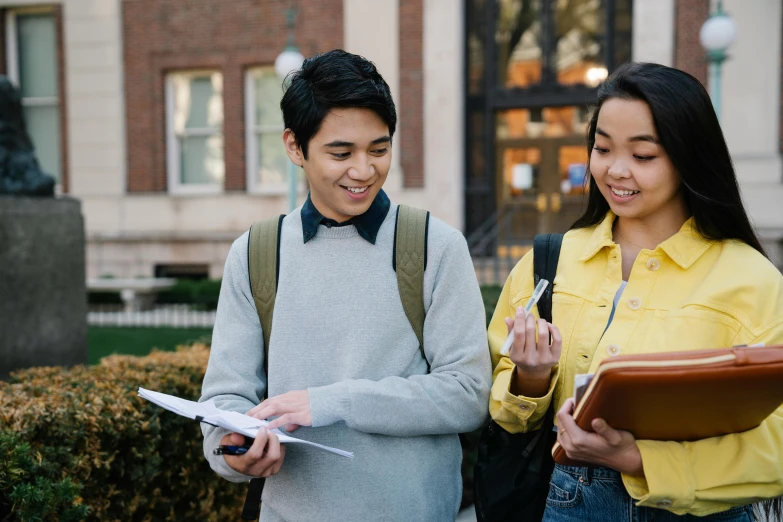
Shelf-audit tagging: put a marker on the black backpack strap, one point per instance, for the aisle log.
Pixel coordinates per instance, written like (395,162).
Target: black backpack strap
(512,471)
(252,508)
(546,253)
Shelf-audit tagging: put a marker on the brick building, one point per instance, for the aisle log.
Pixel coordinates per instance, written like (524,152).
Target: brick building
(160,115)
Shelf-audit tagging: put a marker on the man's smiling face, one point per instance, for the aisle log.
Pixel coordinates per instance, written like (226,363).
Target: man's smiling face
(347,162)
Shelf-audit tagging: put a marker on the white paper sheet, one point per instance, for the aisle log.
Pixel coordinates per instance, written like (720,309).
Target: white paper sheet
(237,422)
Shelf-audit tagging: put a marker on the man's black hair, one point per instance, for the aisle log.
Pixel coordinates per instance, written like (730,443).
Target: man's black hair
(335,79)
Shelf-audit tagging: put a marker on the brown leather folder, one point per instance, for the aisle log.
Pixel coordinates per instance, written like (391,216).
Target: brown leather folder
(683,396)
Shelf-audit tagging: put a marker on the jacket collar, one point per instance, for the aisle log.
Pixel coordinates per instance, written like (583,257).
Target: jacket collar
(684,247)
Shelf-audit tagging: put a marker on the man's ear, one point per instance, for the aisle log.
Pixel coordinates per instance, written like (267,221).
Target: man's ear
(292,148)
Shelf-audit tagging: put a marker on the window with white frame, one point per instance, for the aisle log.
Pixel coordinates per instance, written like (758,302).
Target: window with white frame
(194,132)
(267,161)
(31,56)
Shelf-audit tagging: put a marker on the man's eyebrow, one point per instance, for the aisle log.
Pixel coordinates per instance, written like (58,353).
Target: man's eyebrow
(347,144)
(339,143)
(640,137)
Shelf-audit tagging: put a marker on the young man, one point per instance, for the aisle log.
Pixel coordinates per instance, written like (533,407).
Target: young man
(344,362)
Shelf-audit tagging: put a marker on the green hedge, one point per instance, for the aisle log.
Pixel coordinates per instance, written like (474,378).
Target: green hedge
(490,294)
(202,293)
(104,298)
(81,445)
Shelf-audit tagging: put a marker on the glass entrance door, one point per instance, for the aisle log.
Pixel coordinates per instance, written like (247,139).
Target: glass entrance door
(531,65)
(541,162)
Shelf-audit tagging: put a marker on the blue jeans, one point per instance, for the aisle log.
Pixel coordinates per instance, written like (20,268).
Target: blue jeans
(584,494)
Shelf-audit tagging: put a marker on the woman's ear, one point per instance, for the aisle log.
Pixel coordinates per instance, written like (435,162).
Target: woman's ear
(292,148)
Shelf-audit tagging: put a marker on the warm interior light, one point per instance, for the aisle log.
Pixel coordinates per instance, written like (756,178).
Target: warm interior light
(596,75)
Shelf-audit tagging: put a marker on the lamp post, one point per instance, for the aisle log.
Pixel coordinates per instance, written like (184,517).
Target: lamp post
(716,35)
(288,61)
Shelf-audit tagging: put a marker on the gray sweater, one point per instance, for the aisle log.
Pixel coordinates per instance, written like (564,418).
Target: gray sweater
(339,331)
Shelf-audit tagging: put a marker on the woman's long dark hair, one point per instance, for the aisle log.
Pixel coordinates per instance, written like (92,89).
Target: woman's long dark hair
(689,132)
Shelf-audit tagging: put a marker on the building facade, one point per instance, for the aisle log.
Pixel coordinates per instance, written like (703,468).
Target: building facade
(162,116)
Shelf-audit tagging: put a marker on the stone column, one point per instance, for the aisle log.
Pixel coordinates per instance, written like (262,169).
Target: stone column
(43,299)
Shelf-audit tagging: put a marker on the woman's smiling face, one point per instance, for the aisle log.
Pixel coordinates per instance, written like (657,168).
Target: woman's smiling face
(629,165)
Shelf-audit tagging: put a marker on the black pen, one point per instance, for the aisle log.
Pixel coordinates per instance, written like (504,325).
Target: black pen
(230,450)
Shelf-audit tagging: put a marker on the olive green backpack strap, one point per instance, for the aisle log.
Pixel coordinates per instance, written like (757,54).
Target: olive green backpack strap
(263,260)
(410,261)
(263,256)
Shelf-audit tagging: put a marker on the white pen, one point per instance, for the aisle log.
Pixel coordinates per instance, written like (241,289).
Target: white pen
(537,293)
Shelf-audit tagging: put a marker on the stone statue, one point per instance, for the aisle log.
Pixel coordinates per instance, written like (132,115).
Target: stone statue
(20,173)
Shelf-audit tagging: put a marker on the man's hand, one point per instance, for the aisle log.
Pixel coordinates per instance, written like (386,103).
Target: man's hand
(292,409)
(607,447)
(263,459)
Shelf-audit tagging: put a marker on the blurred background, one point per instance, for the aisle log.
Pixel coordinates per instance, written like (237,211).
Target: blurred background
(161,119)
(162,116)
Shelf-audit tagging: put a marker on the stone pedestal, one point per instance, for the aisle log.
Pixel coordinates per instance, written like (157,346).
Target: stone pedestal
(43,298)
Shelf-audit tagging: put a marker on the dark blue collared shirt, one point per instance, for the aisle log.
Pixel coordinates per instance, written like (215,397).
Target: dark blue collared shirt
(366,224)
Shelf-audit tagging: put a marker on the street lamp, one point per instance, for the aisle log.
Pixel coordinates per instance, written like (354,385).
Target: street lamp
(716,35)
(288,61)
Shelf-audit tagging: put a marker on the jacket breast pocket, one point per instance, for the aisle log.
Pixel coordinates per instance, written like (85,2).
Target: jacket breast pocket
(690,328)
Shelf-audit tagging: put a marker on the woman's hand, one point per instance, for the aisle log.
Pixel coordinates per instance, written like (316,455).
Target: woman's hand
(606,447)
(534,359)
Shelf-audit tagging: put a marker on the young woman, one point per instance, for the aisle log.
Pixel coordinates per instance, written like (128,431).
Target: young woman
(663,259)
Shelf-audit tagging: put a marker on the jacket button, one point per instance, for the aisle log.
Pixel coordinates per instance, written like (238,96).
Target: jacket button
(634,303)
(613,349)
(664,503)
(653,264)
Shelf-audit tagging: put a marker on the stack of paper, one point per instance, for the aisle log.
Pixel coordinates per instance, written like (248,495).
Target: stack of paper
(236,422)
(581,382)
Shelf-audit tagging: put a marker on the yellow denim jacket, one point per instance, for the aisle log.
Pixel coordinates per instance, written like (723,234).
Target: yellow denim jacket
(687,294)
